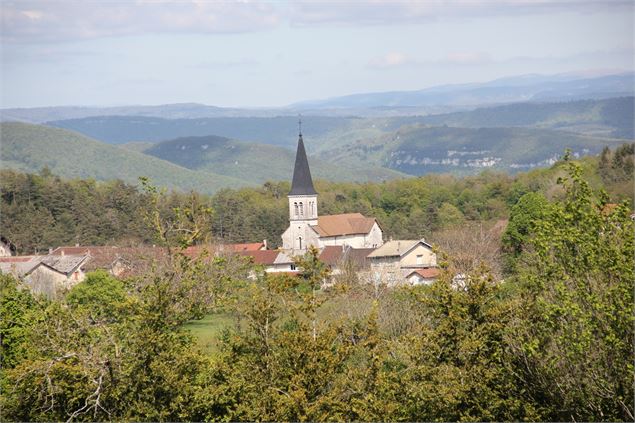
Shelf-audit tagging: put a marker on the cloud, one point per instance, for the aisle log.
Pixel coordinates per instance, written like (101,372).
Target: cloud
(398,59)
(224,64)
(390,60)
(54,20)
(467,58)
(390,12)
(67,20)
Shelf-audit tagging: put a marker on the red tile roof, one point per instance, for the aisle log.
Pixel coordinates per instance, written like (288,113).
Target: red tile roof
(15,259)
(264,257)
(251,246)
(428,273)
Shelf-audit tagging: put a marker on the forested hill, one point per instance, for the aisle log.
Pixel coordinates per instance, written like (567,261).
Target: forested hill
(418,149)
(281,130)
(31,148)
(613,117)
(257,163)
(204,164)
(44,211)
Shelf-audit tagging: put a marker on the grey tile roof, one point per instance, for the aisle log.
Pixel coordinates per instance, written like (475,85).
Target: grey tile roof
(396,248)
(18,266)
(64,264)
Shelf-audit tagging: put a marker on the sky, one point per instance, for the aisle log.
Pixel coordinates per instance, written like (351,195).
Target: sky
(270,54)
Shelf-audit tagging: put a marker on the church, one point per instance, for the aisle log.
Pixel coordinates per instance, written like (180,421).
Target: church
(308,228)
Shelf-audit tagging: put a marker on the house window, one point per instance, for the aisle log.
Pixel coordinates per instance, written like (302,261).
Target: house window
(419,259)
(292,266)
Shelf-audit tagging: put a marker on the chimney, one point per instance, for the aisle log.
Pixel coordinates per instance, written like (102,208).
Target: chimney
(77,244)
(62,251)
(264,241)
(50,250)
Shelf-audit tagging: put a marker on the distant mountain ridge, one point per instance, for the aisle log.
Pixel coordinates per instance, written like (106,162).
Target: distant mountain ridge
(437,99)
(506,90)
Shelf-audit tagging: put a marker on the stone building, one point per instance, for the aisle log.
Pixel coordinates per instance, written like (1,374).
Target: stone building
(394,262)
(308,228)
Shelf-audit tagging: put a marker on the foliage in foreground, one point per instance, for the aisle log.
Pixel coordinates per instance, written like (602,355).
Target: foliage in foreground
(553,341)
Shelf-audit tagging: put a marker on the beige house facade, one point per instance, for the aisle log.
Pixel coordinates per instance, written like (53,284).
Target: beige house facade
(394,262)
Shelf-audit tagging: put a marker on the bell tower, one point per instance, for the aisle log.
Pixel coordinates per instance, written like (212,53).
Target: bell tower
(303,210)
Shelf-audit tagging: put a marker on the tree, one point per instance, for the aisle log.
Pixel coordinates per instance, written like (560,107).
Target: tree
(572,340)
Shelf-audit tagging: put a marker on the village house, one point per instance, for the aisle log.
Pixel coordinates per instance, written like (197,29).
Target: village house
(307,228)
(114,260)
(394,262)
(55,274)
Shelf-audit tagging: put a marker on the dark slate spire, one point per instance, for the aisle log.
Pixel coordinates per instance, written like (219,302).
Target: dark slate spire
(302,183)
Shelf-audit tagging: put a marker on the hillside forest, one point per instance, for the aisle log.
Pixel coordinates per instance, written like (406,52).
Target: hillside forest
(181,149)
(539,325)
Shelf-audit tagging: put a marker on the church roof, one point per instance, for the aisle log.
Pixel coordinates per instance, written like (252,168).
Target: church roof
(343,224)
(302,183)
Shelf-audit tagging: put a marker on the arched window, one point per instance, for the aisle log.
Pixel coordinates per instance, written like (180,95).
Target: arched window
(301,209)
(312,204)
(295,208)
(300,243)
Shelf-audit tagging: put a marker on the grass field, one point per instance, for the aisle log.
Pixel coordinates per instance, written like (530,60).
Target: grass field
(208,330)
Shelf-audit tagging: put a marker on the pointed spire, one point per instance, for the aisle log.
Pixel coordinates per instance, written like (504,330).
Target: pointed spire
(302,183)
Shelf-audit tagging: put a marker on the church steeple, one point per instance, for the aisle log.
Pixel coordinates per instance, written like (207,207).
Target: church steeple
(303,212)
(302,183)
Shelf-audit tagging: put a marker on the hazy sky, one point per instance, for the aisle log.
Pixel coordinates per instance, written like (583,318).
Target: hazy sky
(253,53)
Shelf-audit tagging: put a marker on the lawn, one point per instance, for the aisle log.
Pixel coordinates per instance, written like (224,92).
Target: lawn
(208,330)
